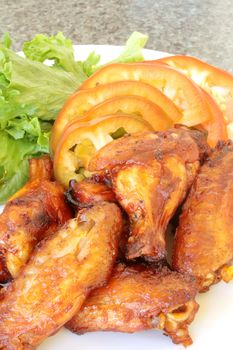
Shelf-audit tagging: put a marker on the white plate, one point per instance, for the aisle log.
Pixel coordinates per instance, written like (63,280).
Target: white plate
(212,326)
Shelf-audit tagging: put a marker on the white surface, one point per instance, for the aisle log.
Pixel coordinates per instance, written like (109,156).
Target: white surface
(213,324)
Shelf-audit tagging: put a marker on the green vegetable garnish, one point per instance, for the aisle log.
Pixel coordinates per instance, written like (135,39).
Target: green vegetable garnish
(118,133)
(32,93)
(132,52)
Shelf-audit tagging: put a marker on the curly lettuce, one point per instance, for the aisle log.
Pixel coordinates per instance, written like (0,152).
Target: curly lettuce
(132,52)
(33,89)
(56,48)
(14,155)
(31,95)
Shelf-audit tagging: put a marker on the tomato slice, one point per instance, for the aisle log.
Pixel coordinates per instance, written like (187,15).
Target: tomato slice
(81,140)
(215,81)
(82,101)
(136,105)
(216,126)
(175,85)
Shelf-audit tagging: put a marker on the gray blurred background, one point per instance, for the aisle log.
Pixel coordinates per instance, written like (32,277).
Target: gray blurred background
(203,28)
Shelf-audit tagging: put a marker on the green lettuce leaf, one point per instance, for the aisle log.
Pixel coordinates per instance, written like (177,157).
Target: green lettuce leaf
(32,94)
(6,40)
(132,52)
(91,63)
(56,48)
(30,82)
(133,49)
(15,182)
(14,155)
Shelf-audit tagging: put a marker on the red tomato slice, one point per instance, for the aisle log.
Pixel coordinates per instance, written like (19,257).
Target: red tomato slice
(175,85)
(215,81)
(216,126)
(136,105)
(82,101)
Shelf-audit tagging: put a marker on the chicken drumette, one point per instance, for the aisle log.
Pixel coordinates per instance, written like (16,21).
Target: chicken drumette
(150,175)
(33,213)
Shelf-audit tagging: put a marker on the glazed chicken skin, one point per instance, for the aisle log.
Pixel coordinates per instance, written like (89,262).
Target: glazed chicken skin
(88,192)
(60,274)
(150,175)
(41,168)
(34,212)
(146,146)
(137,298)
(204,238)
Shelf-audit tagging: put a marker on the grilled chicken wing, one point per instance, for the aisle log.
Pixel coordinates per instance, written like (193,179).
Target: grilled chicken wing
(41,168)
(204,238)
(34,212)
(60,274)
(138,298)
(88,192)
(151,174)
